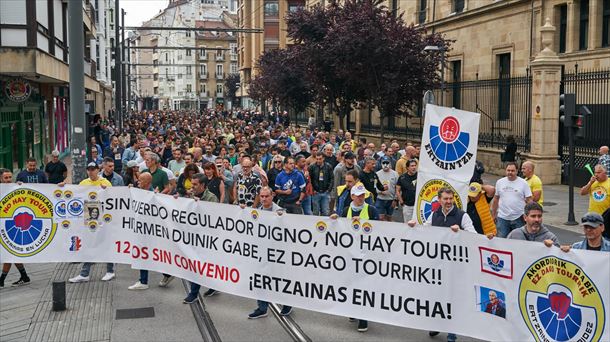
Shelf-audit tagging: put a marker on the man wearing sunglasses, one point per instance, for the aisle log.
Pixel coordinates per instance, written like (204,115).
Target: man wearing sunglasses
(593,227)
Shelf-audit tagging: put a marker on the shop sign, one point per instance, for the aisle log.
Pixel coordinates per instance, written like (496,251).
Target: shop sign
(18,90)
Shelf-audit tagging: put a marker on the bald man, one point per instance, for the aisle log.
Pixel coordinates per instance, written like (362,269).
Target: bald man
(604,158)
(533,181)
(145,181)
(598,190)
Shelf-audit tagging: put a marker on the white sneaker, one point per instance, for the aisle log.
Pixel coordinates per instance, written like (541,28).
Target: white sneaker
(138,286)
(108,276)
(165,281)
(79,279)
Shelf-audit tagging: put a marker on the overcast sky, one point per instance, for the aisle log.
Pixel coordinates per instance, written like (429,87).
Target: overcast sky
(139,11)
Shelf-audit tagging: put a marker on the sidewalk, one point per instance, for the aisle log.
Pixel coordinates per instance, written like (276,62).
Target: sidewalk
(26,315)
(556,204)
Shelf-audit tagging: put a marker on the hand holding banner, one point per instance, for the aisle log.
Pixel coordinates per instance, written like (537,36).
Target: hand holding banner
(427,278)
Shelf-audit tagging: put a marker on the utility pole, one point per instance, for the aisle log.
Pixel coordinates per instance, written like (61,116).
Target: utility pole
(76,58)
(117,67)
(123,66)
(128,74)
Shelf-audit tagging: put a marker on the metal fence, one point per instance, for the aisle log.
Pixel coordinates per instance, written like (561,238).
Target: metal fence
(592,88)
(504,105)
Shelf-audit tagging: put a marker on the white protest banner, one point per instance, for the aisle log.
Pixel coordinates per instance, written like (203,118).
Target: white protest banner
(427,278)
(447,157)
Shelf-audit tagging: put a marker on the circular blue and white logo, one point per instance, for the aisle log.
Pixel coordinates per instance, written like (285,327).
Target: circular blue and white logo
(60,208)
(448,147)
(75,207)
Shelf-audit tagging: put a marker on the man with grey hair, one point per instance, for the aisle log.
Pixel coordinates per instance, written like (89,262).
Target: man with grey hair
(160,180)
(598,190)
(56,170)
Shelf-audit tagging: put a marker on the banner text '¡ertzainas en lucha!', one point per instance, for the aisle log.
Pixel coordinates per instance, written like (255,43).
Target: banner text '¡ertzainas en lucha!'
(274,233)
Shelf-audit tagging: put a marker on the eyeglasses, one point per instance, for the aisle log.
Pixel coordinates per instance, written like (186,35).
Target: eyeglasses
(385,163)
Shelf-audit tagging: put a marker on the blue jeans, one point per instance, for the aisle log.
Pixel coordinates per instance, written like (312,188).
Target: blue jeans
(84,272)
(144,277)
(306,204)
(194,289)
(262,305)
(320,203)
(506,226)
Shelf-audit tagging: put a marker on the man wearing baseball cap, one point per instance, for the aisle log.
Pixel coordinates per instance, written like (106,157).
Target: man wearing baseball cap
(359,208)
(593,227)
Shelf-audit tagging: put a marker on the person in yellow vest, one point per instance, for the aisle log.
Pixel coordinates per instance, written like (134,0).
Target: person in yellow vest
(533,181)
(359,208)
(479,197)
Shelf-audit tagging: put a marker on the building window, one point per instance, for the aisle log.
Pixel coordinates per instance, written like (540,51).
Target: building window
(219,69)
(294,7)
(272,9)
(202,53)
(189,71)
(188,88)
(606,24)
(563,27)
(458,6)
(421,14)
(503,86)
(188,52)
(219,89)
(188,34)
(202,87)
(234,69)
(456,71)
(166,56)
(583,33)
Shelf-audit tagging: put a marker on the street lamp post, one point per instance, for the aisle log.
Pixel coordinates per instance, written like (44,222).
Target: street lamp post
(443,51)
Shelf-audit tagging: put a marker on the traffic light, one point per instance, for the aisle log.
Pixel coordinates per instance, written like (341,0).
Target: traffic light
(567,109)
(580,120)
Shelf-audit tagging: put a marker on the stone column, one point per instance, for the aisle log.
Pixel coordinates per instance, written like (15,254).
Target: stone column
(595,24)
(572,27)
(546,76)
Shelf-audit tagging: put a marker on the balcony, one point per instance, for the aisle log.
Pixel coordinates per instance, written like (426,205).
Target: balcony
(204,94)
(218,94)
(233,57)
(220,56)
(204,75)
(203,56)
(220,76)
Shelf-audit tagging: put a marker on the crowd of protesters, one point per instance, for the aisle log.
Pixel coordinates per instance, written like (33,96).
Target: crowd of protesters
(260,160)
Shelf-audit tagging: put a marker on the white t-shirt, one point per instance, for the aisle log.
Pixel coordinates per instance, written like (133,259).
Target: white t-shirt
(512,196)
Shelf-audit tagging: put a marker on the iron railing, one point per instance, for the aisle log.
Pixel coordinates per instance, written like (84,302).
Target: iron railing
(504,105)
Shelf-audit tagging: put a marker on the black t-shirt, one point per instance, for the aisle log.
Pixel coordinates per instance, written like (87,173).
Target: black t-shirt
(214,186)
(407,185)
(56,172)
(598,248)
(371,182)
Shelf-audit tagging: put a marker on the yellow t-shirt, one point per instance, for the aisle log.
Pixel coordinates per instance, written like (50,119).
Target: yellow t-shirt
(187,184)
(536,184)
(98,182)
(599,196)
